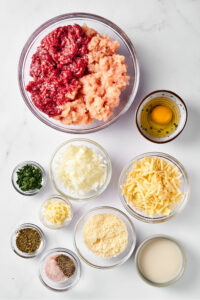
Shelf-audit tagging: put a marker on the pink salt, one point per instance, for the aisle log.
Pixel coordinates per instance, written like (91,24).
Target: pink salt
(53,271)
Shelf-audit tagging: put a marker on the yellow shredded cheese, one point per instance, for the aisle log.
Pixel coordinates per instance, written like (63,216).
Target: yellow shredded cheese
(153,186)
(56,212)
(81,169)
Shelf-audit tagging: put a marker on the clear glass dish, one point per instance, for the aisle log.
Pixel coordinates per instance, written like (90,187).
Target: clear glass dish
(89,257)
(185,188)
(102,25)
(178,102)
(46,222)
(23,254)
(67,284)
(137,261)
(14,178)
(62,189)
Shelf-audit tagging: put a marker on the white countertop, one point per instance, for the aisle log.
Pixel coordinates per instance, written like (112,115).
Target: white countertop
(166,35)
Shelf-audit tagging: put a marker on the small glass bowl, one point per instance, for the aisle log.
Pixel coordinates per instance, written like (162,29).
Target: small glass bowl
(79,142)
(14,236)
(67,284)
(14,178)
(46,222)
(185,188)
(88,256)
(182,113)
(137,260)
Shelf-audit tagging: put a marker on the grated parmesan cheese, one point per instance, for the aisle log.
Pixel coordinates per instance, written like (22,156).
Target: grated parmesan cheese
(81,169)
(153,186)
(105,235)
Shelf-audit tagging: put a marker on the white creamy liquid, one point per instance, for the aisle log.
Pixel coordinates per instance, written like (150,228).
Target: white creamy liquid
(160,260)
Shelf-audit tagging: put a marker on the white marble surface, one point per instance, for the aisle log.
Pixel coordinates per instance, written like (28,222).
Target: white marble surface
(166,35)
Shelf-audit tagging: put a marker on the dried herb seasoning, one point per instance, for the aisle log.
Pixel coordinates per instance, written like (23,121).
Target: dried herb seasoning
(29,178)
(28,240)
(66,264)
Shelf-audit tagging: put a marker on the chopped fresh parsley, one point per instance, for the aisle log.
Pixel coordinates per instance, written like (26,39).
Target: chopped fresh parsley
(29,178)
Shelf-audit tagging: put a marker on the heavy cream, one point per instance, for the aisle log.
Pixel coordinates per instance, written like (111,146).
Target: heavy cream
(160,260)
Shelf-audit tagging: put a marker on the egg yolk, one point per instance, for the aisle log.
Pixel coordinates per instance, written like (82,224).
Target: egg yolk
(161,115)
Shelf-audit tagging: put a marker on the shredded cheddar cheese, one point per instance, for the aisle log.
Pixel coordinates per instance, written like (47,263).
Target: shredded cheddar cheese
(56,212)
(153,186)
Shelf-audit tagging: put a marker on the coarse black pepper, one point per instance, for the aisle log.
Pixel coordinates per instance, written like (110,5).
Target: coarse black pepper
(66,264)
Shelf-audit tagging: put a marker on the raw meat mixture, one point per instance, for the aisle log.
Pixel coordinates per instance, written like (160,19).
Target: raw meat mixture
(78,75)
(56,66)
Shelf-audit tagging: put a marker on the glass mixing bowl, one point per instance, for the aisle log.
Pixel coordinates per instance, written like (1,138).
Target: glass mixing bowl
(67,284)
(185,188)
(142,247)
(14,178)
(177,102)
(14,237)
(53,198)
(92,259)
(102,26)
(63,190)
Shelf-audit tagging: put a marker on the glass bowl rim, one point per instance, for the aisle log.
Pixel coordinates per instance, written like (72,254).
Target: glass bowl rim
(161,219)
(60,197)
(154,237)
(109,168)
(67,251)
(142,101)
(35,164)
(23,226)
(133,245)
(83,15)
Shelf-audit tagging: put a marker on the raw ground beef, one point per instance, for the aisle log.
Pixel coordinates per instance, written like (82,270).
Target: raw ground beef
(56,67)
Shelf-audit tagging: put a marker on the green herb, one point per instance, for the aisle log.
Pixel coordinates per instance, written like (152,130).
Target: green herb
(66,265)
(28,240)
(29,178)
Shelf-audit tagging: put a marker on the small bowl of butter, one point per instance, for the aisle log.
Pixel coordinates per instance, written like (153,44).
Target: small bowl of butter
(161,116)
